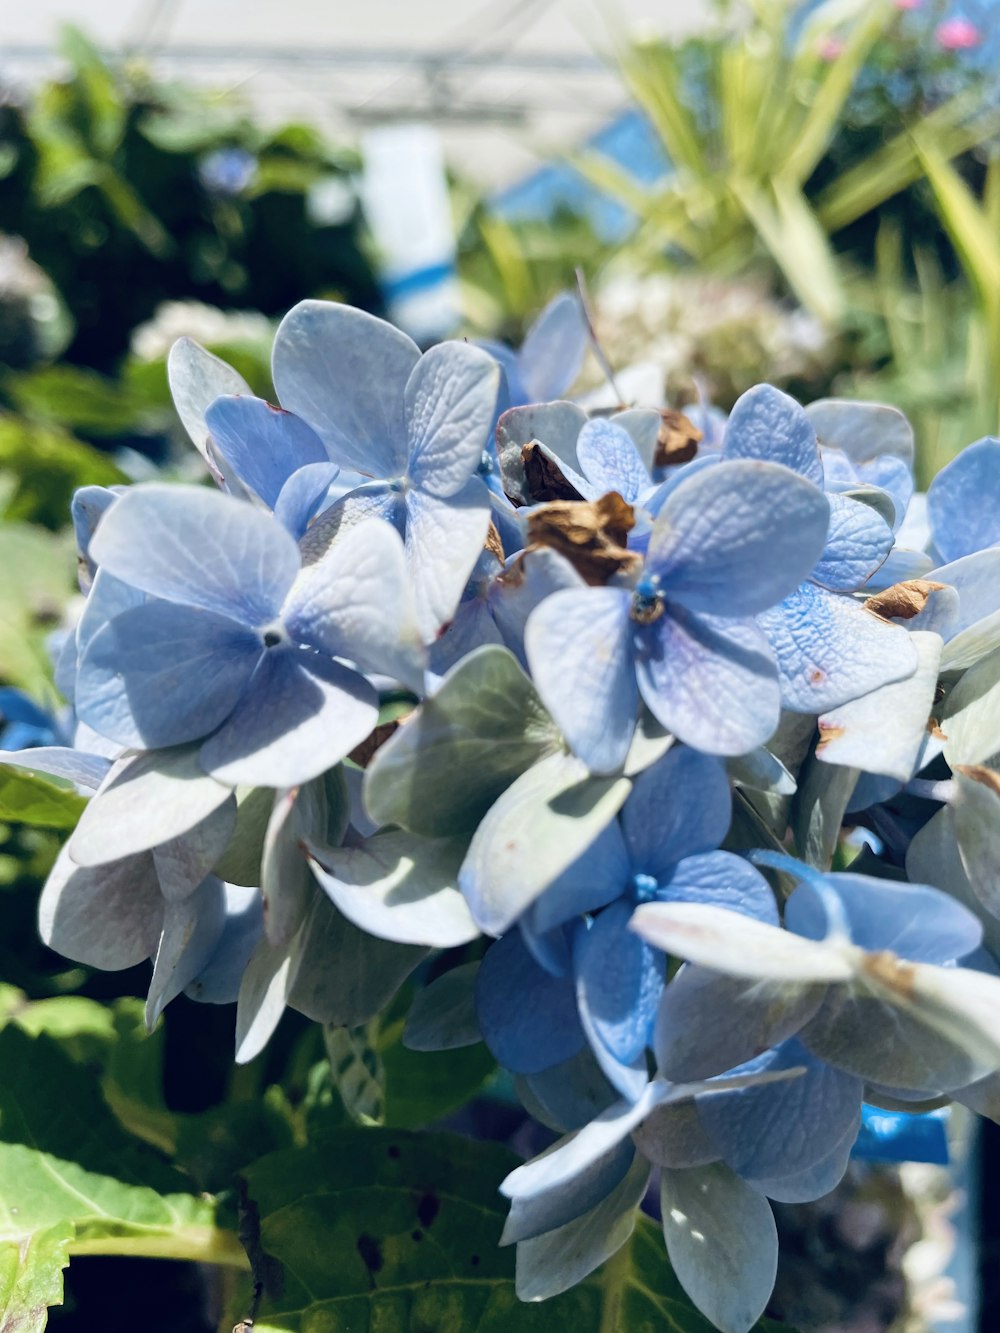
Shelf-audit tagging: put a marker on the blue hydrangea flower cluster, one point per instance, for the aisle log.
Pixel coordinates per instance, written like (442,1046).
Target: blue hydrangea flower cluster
(593,704)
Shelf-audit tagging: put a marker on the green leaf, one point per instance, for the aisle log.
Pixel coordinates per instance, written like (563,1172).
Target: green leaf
(36,584)
(28,799)
(380,1229)
(74,1182)
(444,768)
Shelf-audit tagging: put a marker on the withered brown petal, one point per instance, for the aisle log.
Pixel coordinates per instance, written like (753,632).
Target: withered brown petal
(677,440)
(544,477)
(591,534)
(902,601)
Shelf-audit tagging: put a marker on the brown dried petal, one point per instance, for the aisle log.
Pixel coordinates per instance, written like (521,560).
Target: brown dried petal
(590,534)
(493,544)
(902,601)
(544,477)
(677,440)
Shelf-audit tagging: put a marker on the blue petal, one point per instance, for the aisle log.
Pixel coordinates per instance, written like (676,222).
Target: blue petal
(218,982)
(766,424)
(723,880)
(829,649)
(192,928)
(594,879)
(813,1182)
(736,538)
(450,400)
(534,1214)
(345,372)
(89,505)
(678,806)
(195,546)
(712,682)
(528,1018)
(963,501)
(610,461)
(472,627)
(782,1128)
(527,579)
(262,444)
(443,541)
(579,647)
(304,495)
(619,980)
(858,542)
(300,715)
(162,674)
(107,916)
(86,770)
(913,921)
(376,499)
(553,350)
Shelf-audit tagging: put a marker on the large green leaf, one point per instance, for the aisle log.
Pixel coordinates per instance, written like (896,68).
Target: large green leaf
(74,1182)
(444,768)
(36,583)
(379,1229)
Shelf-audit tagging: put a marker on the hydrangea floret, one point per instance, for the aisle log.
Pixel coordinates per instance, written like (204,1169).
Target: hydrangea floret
(430,667)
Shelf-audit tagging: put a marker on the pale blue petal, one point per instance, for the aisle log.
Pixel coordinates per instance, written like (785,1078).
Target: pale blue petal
(472,627)
(782,1128)
(534,1214)
(814,1182)
(857,544)
(300,715)
(556,425)
(594,879)
(678,806)
(376,499)
(894,476)
(736,538)
(568,1095)
(345,372)
(88,507)
(913,921)
(355,602)
(527,579)
(963,501)
(829,649)
(191,545)
(443,541)
(610,461)
(579,647)
(107,916)
(183,862)
(450,400)
(512,995)
(197,377)
(218,982)
(263,445)
(305,494)
(712,682)
(619,980)
(553,350)
(864,431)
(163,674)
(192,928)
(769,425)
(723,880)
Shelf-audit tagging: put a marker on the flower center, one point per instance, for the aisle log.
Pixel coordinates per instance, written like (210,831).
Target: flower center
(273,635)
(647,601)
(643,887)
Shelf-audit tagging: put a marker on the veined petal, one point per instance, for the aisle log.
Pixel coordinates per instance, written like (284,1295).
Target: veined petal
(450,401)
(579,647)
(192,928)
(512,991)
(610,461)
(829,649)
(723,879)
(304,495)
(200,548)
(858,542)
(710,681)
(162,674)
(262,444)
(197,377)
(107,916)
(443,541)
(299,716)
(553,349)
(769,425)
(355,603)
(736,538)
(345,372)
(619,980)
(963,501)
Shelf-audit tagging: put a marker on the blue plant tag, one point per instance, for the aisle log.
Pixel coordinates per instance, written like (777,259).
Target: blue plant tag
(902,1136)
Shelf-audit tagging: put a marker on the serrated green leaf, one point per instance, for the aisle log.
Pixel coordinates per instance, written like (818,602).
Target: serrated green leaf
(380,1229)
(28,799)
(444,768)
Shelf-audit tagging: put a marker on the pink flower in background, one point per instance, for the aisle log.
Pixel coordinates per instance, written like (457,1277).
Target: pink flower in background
(957,35)
(829,47)
(907,4)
